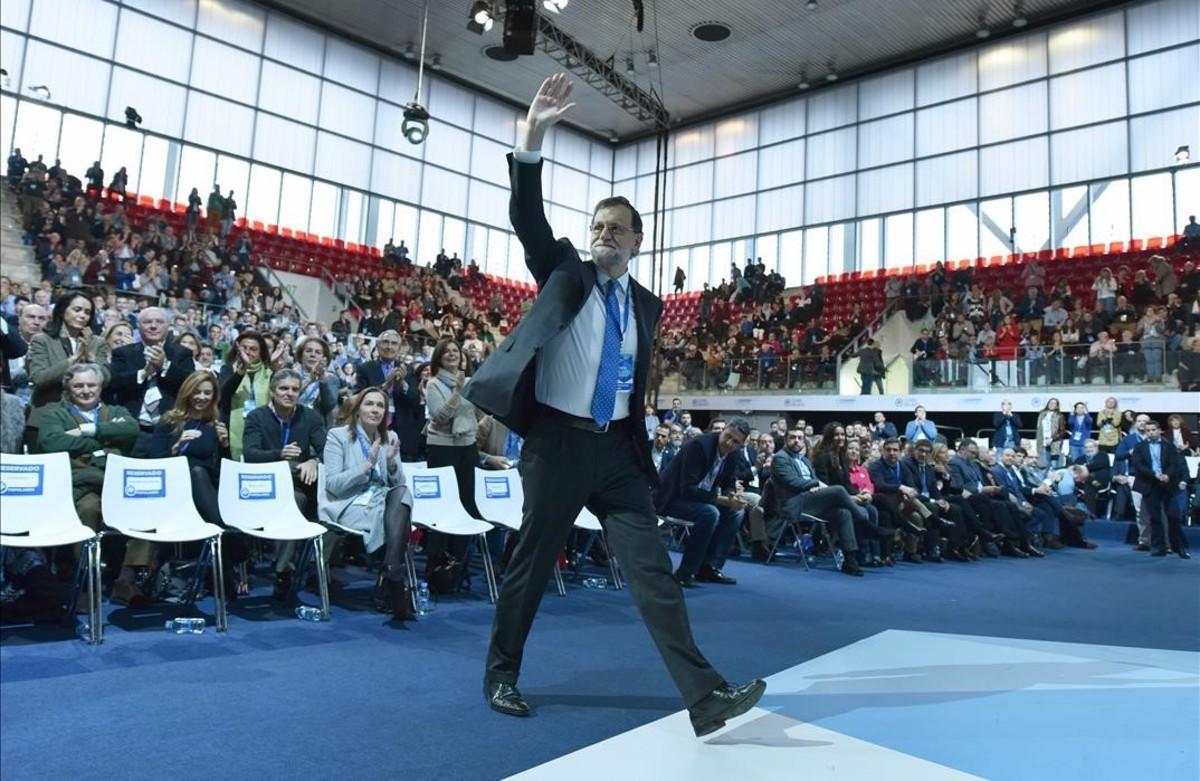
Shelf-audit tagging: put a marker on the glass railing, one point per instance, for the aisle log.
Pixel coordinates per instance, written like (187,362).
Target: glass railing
(779,375)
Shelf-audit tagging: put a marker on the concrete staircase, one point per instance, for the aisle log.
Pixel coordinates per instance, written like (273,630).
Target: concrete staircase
(16,258)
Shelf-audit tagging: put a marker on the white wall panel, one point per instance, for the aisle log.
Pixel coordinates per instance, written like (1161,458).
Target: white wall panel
(283,143)
(735,174)
(444,191)
(15,14)
(1009,113)
(292,93)
(86,26)
(781,164)
(601,163)
(598,189)
(238,23)
(219,124)
(1163,23)
(343,161)
(691,225)
(831,153)
(351,65)
(947,127)
(12,52)
(488,160)
(294,43)
(1089,153)
(153,46)
(182,12)
(780,209)
(1087,96)
(1020,165)
(690,146)
(642,193)
(447,146)
(1087,42)
(347,112)
(450,102)
(1164,80)
(492,119)
(691,184)
(488,204)
(395,176)
(647,152)
(159,103)
(1154,139)
(1012,61)
(832,108)
(573,149)
(74,80)
(829,200)
(885,141)
(225,71)
(625,162)
(736,134)
(733,217)
(782,121)
(570,188)
(890,93)
(885,189)
(947,179)
(946,79)
(388,119)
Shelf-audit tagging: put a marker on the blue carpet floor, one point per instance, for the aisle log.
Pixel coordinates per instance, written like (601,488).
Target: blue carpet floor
(359,698)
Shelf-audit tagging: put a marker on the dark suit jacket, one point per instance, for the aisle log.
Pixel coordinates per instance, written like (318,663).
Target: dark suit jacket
(914,469)
(371,374)
(966,474)
(830,471)
(1099,468)
(883,476)
(127,361)
(262,439)
(409,417)
(504,384)
(1141,466)
(1010,484)
(682,476)
(1000,423)
(789,485)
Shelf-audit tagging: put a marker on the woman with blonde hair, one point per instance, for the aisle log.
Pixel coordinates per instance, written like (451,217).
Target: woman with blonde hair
(365,489)
(318,388)
(117,335)
(1108,420)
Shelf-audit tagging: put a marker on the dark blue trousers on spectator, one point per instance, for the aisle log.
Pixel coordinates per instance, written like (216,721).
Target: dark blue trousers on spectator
(712,534)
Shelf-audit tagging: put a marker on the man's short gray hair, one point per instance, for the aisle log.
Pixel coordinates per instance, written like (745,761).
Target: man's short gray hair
(285,374)
(740,425)
(81,368)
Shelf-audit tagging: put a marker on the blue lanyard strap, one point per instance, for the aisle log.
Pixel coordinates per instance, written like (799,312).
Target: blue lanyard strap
(622,326)
(286,426)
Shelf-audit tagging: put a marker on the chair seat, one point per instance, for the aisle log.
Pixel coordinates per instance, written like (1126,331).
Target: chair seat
(463,527)
(47,538)
(189,533)
(674,521)
(589,523)
(284,530)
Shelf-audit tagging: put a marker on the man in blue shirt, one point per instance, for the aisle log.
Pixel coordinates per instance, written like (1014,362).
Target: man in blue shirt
(1159,473)
(1123,504)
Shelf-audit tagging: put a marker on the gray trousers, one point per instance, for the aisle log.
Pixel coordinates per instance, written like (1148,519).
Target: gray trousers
(833,505)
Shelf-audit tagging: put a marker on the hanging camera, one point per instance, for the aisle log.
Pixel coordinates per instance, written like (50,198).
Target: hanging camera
(416,123)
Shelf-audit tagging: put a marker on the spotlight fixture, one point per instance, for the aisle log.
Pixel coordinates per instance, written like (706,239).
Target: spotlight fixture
(1019,19)
(651,59)
(811,5)
(803,80)
(480,19)
(612,137)
(982,31)
(555,6)
(1183,154)
(416,123)
(132,118)
(436,62)
(409,52)
(520,26)
(41,90)
(629,67)
(833,74)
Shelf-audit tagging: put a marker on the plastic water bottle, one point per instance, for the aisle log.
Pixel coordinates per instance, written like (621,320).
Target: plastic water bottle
(309,613)
(185,626)
(595,583)
(84,630)
(839,558)
(424,603)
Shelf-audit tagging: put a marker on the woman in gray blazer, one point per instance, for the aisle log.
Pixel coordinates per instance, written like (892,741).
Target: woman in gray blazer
(364,488)
(67,340)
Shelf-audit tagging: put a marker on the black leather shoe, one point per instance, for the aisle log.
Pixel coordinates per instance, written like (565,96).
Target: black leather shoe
(1034,552)
(724,703)
(684,580)
(850,567)
(710,575)
(1183,554)
(504,698)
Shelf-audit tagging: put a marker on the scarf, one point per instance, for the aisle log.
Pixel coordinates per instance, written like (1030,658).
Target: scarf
(312,390)
(256,384)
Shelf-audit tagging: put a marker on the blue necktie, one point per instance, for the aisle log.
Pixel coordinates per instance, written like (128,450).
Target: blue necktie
(605,396)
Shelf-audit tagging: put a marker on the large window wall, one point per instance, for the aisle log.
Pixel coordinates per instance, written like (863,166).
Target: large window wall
(302,125)
(1057,138)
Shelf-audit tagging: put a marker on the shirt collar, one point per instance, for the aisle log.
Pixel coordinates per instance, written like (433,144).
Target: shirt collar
(622,281)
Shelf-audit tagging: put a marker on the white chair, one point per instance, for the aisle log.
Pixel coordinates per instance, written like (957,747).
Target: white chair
(500,498)
(588,522)
(39,512)
(151,499)
(437,507)
(257,499)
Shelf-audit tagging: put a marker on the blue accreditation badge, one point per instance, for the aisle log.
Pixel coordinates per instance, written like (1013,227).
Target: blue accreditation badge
(625,374)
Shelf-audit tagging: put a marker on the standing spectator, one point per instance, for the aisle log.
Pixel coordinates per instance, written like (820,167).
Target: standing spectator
(680,278)
(407,389)
(920,427)
(1159,473)
(1051,430)
(193,213)
(245,385)
(119,184)
(1191,235)
(1106,286)
(95,179)
(1108,420)
(318,386)
(215,208)
(1079,428)
(1007,425)
(882,428)
(228,214)
(147,375)
(871,367)
(1179,436)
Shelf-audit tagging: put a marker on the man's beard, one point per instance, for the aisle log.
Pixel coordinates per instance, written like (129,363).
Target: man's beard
(609,260)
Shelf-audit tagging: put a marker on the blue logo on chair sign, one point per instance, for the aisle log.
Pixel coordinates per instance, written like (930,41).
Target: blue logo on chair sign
(252,488)
(496,487)
(145,483)
(427,487)
(21,479)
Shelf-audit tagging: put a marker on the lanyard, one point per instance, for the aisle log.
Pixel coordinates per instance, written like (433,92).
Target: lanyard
(187,424)
(622,326)
(285,425)
(366,453)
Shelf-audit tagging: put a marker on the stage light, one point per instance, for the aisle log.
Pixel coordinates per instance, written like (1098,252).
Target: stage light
(1183,154)
(41,90)
(803,80)
(1019,18)
(832,75)
(479,17)
(651,59)
(982,31)
(612,137)
(436,62)
(409,52)
(132,118)
(555,6)
(416,123)
(629,67)
(811,5)
(520,26)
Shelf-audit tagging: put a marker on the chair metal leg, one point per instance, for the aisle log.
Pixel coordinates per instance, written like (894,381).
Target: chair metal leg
(95,606)
(318,543)
(301,564)
(410,568)
(218,568)
(558,580)
(488,572)
(201,563)
(613,567)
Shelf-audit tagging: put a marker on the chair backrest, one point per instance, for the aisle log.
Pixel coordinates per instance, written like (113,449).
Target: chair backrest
(145,494)
(499,496)
(253,496)
(588,520)
(435,495)
(36,491)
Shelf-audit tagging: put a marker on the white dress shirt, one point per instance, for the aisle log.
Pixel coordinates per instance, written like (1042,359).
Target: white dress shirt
(570,362)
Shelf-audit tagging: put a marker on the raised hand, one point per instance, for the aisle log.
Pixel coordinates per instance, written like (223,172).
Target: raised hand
(548,107)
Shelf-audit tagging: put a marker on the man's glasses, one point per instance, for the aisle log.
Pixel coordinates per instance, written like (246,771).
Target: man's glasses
(616,231)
